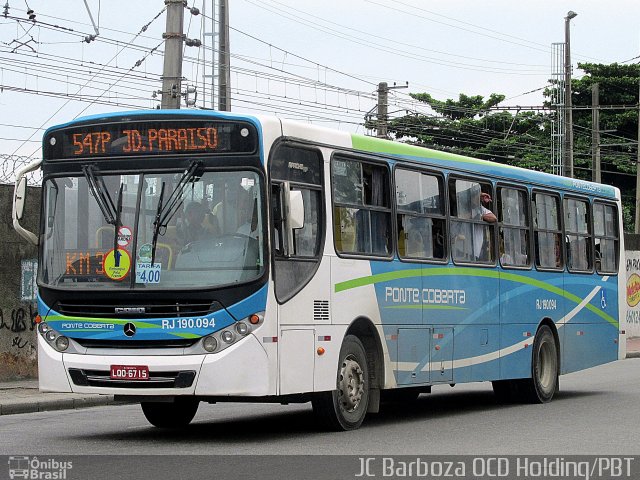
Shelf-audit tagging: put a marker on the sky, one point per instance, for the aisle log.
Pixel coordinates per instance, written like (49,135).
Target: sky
(315,61)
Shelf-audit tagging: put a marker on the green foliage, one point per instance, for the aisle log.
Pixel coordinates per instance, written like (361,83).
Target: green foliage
(474,126)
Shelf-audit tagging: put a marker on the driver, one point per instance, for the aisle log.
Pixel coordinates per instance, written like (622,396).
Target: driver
(191,228)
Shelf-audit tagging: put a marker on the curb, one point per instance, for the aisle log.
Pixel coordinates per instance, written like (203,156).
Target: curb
(16,407)
(635,354)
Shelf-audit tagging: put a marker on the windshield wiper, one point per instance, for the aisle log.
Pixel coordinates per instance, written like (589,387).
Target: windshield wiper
(165,212)
(116,225)
(100,193)
(156,225)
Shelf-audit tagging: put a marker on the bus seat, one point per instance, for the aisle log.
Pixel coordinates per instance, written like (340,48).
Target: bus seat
(104,236)
(164,255)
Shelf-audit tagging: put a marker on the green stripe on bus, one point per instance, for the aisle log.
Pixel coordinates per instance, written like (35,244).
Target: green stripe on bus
(139,324)
(377,145)
(468,272)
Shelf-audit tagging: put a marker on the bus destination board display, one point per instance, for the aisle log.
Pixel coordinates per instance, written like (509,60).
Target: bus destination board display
(150,138)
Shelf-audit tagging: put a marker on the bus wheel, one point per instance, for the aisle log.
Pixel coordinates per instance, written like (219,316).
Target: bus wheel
(175,414)
(543,383)
(346,407)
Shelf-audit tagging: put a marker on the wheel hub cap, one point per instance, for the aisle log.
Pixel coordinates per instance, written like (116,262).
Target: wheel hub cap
(350,384)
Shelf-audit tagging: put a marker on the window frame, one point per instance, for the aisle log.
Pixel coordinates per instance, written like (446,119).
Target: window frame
(445,214)
(363,159)
(560,231)
(453,176)
(590,236)
(528,228)
(322,217)
(614,205)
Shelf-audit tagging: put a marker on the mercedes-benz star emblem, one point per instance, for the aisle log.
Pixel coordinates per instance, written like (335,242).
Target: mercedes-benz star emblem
(129,329)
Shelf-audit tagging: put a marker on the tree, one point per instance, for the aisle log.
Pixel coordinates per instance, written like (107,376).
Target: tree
(476,127)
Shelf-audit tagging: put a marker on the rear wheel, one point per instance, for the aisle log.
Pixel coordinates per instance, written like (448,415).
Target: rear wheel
(175,414)
(346,407)
(543,384)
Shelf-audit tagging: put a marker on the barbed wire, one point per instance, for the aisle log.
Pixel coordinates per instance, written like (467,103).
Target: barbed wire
(10,164)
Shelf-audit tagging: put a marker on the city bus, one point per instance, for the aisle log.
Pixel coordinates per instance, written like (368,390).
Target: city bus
(200,256)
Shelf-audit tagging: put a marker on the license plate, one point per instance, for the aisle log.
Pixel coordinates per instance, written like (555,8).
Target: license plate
(129,372)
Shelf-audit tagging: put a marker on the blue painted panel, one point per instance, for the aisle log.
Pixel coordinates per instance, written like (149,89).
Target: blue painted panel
(516,348)
(475,346)
(522,302)
(442,346)
(588,345)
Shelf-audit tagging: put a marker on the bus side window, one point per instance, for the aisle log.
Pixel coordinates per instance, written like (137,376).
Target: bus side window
(547,233)
(420,217)
(513,216)
(577,226)
(605,229)
(472,235)
(362,209)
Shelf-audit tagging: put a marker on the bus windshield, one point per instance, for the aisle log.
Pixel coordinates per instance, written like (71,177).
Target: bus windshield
(181,229)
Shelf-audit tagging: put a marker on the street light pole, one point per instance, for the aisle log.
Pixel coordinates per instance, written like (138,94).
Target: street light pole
(568,117)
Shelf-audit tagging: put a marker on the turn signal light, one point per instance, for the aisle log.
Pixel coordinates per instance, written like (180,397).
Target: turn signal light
(38,319)
(320,351)
(254,319)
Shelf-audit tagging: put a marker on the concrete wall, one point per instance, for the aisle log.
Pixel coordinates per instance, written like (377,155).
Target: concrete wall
(17,289)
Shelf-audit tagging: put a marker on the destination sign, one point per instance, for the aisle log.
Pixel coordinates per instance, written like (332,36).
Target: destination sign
(150,138)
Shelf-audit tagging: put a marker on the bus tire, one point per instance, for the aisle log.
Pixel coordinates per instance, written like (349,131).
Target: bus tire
(175,414)
(543,384)
(346,407)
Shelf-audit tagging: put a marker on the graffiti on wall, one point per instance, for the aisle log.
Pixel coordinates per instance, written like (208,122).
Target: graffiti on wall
(633,294)
(18,323)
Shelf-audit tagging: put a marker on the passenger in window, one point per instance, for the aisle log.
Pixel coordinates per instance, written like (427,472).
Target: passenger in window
(481,245)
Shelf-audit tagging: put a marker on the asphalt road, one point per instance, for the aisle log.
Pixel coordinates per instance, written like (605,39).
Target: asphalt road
(596,412)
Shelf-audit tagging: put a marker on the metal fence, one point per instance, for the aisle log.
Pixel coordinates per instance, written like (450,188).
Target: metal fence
(10,164)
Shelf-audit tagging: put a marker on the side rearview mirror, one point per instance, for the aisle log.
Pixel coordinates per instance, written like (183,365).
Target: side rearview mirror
(19,195)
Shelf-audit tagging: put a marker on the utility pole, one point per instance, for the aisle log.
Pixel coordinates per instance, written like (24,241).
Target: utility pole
(596,175)
(174,41)
(383,107)
(568,132)
(383,91)
(224,63)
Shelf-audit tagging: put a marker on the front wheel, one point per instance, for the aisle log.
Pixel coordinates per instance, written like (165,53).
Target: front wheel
(175,414)
(346,407)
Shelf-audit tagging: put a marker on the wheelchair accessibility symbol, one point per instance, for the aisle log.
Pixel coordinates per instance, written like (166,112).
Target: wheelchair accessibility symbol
(603,300)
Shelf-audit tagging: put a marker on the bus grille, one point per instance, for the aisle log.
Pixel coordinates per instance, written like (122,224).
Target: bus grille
(101,378)
(170,343)
(150,310)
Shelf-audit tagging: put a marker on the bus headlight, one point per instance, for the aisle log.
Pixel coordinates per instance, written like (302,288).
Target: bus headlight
(50,335)
(43,328)
(62,343)
(220,340)
(242,328)
(209,343)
